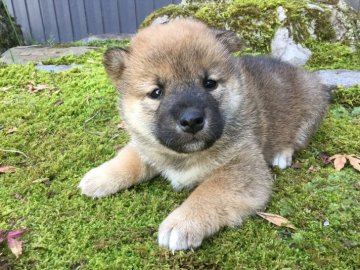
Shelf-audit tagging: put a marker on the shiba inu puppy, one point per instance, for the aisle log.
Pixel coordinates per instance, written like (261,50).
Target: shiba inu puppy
(203,118)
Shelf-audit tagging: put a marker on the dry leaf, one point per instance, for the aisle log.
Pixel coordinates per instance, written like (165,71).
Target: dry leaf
(276,219)
(11,130)
(33,88)
(354,161)
(15,246)
(312,169)
(340,160)
(16,234)
(7,169)
(121,125)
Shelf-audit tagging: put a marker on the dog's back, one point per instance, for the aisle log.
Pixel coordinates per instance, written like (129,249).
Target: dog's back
(289,101)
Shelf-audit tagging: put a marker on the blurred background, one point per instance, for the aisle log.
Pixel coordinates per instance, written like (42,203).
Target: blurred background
(57,21)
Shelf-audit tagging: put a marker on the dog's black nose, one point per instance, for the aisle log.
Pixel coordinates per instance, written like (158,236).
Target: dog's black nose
(192,120)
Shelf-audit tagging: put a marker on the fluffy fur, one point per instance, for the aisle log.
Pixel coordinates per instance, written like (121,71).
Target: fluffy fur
(259,112)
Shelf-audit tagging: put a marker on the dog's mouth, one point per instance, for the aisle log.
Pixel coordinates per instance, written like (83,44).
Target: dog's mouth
(184,144)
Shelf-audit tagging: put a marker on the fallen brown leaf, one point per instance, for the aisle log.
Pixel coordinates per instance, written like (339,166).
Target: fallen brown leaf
(7,169)
(354,161)
(16,234)
(11,130)
(14,245)
(121,125)
(312,169)
(34,88)
(340,161)
(276,219)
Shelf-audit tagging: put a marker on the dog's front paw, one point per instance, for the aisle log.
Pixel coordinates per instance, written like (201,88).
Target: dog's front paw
(98,182)
(182,230)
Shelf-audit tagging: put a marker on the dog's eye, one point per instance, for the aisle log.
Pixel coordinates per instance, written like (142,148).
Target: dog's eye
(210,84)
(156,93)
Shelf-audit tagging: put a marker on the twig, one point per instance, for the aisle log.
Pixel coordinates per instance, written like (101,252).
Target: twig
(92,117)
(99,133)
(14,151)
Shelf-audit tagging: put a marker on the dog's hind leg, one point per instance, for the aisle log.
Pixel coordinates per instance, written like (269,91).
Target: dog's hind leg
(283,159)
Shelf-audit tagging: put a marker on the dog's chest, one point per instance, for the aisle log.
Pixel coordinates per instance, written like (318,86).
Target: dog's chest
(182,173)
(185,178)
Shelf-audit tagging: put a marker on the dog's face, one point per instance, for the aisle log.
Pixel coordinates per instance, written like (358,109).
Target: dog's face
(178,84)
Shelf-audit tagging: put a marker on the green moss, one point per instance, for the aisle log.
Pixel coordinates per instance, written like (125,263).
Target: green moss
(332,56)
(68,231)
(348,97)
(107,43)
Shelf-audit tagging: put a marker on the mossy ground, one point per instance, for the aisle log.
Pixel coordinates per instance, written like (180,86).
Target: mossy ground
(71,127)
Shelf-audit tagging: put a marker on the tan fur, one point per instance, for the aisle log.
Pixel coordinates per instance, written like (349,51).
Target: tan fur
(123,171)
(269,109)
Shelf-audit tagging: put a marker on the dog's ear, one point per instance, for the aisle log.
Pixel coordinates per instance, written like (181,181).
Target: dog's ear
(114,62)
(232,42)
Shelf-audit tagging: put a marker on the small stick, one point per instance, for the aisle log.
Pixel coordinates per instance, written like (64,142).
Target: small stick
(14,151)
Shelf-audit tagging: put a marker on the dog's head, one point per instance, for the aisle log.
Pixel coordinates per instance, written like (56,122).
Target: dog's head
(178,83)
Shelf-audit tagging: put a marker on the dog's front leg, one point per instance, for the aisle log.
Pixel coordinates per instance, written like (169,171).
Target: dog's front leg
(225,199)
(123,171)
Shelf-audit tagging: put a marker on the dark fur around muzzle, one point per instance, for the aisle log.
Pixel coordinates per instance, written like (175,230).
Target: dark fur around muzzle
(189,120)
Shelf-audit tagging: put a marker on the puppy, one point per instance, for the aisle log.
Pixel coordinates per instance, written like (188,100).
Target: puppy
(201,117)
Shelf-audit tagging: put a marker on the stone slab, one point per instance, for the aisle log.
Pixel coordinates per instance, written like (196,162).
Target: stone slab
(37,54)
(339,77)
(56,68)
(106,37)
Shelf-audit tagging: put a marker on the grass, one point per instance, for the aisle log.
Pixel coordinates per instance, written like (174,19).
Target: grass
(70,127)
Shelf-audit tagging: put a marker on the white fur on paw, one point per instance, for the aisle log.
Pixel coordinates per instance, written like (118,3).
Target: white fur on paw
(178,233)
(283,159)
(97,183)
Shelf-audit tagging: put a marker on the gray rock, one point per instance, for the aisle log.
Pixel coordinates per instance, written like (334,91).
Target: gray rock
(106,37)
(281,13)
(345,21)
(355,4)
(56,68)
(316,7)
(284,48)
(339,77)
(37,54)
(161,20)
